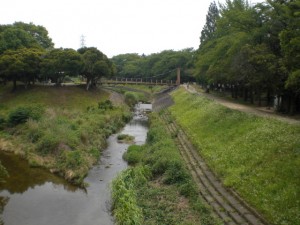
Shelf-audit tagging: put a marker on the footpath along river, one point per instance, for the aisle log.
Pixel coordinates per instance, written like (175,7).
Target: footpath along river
(33,196)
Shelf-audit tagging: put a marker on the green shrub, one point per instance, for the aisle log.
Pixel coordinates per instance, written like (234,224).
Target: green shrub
(18,116)
(176,173)
(131,98)
(2,122)
(125,204)
(71,159)
(48,144)
(134,154)
(21,114)
(106,105)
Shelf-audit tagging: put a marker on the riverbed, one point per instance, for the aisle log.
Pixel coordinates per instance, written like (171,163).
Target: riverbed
(33,196)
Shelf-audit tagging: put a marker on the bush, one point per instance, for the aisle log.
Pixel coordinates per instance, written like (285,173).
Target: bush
(106,105)
(22,114)
(2,122)
(134,154)
(125,207)
(131,98)
(48,144)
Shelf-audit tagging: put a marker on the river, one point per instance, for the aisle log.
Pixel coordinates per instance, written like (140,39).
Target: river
(33,196)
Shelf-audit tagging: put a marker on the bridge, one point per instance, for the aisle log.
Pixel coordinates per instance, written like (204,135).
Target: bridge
(142,81)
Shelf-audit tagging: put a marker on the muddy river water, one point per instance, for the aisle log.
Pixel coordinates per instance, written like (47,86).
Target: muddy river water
(33,196)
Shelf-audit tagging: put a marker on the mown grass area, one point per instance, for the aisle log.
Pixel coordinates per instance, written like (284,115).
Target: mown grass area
(157,189)
(61,128)
(258,157)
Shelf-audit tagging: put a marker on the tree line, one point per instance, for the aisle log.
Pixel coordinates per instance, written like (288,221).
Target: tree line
(253,51)
(160,65)
(27,54)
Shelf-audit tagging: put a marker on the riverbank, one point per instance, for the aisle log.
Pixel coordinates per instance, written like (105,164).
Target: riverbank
(257,157)
(63,129)
(28,187)
(157,188)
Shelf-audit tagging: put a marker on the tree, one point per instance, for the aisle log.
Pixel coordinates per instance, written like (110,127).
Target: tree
(210,26)
(59,63)
(20,35)
(95,65)
(20,65)
(39,33)
(14,38)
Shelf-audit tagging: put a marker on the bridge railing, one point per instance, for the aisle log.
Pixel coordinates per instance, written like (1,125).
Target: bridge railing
(144,81)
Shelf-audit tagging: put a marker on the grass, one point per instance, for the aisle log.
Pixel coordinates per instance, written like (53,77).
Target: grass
(61,128)
(157,189)
(258,157)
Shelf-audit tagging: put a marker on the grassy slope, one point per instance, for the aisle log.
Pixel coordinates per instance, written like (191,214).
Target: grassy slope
(58,97)
(258,157)
(69,135)
(158,188)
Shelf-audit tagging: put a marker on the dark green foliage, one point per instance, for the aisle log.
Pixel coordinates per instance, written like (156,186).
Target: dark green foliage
(134,154)
(209,28)
(22,114)
(156,66)
(176,173)
(106,105)
(47,145)
(58,60)
(131,98)
(253,50)
(95,65)
(2,122)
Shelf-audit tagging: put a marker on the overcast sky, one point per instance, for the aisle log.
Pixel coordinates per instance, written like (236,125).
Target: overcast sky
(114,26)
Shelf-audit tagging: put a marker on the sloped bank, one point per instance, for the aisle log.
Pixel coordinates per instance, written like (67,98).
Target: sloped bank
(61,129)
(258,157)
(157,188)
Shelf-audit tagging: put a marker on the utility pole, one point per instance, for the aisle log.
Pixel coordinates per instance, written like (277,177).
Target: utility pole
(82,41)
(178,76)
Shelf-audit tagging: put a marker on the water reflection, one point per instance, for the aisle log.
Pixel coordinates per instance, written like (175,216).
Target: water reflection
(32,196)
(22,176)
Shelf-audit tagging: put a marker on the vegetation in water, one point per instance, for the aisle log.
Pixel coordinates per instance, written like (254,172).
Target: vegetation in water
(62,129)
(125,138)
(258,157)
(157,189)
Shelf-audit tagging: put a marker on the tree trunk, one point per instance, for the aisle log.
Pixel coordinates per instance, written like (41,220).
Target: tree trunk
(14,84)
(88,83)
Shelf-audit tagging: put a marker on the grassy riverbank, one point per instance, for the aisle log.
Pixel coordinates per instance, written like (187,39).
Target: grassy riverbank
(157,189)
(258,157)
(61,128)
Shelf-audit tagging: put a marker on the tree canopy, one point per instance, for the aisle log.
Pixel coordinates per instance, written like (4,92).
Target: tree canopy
(95,65)
(253,49)
(164,63)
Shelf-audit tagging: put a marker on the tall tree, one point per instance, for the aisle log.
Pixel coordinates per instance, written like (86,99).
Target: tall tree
(95,65)
(210,25)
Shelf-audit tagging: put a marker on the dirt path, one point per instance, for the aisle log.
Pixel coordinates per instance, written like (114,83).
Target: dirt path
(259,111)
